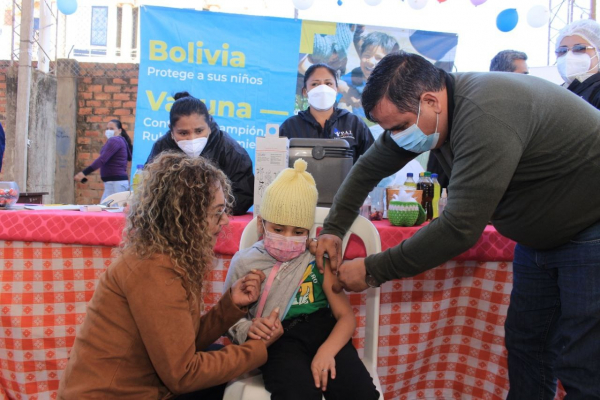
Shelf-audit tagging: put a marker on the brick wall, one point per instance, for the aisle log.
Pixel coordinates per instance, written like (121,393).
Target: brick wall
(104,92)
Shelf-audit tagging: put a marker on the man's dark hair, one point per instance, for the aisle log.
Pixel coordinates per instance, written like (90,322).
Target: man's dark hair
(402,78)
(504,61)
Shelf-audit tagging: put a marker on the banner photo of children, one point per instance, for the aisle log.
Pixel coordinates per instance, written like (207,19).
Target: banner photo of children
(354,50)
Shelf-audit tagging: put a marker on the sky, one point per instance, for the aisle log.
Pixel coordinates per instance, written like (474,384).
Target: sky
(478,37)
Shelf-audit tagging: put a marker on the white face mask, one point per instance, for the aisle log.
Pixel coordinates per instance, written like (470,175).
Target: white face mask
(322,98)
(109,133)
(194,147)
(571,66)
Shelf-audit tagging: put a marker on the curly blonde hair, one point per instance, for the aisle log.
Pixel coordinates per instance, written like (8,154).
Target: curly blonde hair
(169,214)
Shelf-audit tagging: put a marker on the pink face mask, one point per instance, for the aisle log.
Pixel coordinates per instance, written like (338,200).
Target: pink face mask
(284,248)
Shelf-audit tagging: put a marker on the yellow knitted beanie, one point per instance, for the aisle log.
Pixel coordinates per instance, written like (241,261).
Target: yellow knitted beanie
(291,199)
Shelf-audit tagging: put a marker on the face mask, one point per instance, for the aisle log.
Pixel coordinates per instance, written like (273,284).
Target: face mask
(571,65)
(413,139)
(284,248)
(109,133)
(194,147)
(322,98)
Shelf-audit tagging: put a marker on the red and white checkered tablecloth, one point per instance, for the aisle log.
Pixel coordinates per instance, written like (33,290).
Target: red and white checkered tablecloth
(104,228)
(441,333)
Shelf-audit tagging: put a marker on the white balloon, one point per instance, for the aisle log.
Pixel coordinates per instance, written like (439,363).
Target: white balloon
(303,4)
(372,2)
(538,16)
(417,4)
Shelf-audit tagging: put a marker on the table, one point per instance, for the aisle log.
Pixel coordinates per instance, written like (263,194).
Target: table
(441,333)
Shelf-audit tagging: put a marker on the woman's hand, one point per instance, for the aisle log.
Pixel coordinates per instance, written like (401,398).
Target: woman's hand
(267,329)
(311,245)
(79,176)
(322,365)
(247,289)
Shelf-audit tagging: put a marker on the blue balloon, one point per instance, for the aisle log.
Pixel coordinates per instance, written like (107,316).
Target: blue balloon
(507,20)
(67,7)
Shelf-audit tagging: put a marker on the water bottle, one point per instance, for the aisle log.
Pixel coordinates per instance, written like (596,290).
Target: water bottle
(137,177)
(409,180)
(443,201)
(365,209)
(436,195)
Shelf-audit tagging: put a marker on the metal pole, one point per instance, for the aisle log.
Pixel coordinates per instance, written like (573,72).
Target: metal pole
(12,40)
(549,34)
(23,94)
(593,9)
(571,7)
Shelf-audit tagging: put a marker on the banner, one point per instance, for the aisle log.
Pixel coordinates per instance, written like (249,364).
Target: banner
(242,67)
(249,70)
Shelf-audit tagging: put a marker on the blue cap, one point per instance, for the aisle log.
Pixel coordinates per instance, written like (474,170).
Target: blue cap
(434,175)
(140,166)
(409,174)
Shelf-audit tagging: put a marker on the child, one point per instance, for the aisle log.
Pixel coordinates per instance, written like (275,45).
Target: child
(315,355)
(373,47)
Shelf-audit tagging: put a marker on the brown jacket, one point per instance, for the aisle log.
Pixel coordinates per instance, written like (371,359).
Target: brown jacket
(143,338)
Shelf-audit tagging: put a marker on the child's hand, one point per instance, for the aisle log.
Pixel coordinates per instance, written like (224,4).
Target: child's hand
(267,329)
(247,289)
(322,365)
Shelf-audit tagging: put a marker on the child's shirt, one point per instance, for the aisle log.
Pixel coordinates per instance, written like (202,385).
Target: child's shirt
(310,296)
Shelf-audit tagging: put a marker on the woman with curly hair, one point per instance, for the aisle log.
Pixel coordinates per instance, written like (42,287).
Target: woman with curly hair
(144,332)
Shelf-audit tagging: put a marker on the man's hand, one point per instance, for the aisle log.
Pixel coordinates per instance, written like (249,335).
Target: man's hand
(246,290)
(332,245)
(267,329)
(351,276)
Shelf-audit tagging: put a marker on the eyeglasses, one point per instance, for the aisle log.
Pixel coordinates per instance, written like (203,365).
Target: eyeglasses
(576,49)
(219,214)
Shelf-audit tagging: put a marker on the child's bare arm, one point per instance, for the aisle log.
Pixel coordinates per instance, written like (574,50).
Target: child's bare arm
(323,363)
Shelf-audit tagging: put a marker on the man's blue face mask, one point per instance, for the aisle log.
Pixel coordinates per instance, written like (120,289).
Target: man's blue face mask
(413,139)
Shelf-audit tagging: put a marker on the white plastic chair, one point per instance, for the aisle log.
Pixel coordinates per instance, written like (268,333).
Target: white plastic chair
(250,386)
(119,199)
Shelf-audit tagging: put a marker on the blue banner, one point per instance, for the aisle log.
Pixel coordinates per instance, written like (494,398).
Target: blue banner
(249,70)
(243,67)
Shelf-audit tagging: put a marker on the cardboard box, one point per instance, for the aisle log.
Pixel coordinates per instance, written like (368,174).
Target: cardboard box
(272,155)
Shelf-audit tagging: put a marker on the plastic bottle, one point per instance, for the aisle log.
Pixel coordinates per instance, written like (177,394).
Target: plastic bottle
(443,201)
(436,195)
(420,180)
(365,209)
(426,185)
(409,180)
(137,177)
